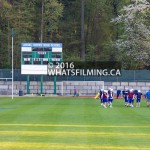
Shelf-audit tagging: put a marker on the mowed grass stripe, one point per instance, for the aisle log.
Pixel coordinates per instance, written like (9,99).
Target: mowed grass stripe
(34,133)
(74,125)
(23,145)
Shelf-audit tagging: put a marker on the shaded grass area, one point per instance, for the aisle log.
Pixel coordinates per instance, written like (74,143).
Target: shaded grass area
(72,123)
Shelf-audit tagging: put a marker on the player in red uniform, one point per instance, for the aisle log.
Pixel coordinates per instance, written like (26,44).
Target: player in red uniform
(131,97)
(105,98)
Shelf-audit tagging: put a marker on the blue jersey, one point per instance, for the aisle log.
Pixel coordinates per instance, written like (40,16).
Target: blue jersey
(138,95)
(125,94)
(110,95)
(100,94)
(148,95)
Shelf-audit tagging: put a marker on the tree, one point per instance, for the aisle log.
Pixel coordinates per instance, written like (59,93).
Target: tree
(61,22)
(52,14)
(21,18)
(135,40)
(98,30)
(5,8)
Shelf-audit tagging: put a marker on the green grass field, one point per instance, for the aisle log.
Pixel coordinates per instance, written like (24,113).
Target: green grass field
(43,123)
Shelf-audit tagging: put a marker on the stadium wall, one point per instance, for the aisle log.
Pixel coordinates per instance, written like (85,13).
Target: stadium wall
(126,76)
(85,88)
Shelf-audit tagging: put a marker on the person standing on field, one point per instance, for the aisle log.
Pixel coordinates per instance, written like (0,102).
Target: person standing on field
(105,98)
(131,97)
(75,91)
(148,98)
(125,96)
(138,98)
(101,96)
(110,97)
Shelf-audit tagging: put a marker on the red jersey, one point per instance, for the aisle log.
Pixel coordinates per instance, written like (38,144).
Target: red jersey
(104,95)
(131,95)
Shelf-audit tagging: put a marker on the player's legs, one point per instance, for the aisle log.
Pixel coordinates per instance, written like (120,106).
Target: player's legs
(105,102)
(148,102)
(101,101)
(130,102)
(75,93)
(126,101)
(110,102)
(138,102)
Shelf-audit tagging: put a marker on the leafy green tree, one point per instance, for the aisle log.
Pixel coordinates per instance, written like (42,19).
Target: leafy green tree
(21,18)
(70,29)
(25,17)
(60,21)
(136,36)
(5,8)
(98,29)
(52,14)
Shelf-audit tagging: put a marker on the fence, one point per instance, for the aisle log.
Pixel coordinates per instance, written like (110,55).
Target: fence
(126,76)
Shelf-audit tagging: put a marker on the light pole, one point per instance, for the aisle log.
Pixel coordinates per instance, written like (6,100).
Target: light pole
(12,63)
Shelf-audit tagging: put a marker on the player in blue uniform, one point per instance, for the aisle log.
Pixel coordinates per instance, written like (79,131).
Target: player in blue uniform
(138,98)
(110,97)
(148,98)
(101,96)
(125,96)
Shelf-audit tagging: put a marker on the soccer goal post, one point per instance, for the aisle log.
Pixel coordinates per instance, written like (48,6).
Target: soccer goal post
(83,88)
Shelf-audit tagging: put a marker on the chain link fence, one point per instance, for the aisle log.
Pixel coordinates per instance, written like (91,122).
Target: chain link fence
(126,76)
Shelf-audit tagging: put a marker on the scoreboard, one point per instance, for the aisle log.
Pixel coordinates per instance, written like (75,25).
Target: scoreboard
(36,56)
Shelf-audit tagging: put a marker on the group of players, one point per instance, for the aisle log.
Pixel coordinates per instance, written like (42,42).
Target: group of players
(130,96)
(106,97)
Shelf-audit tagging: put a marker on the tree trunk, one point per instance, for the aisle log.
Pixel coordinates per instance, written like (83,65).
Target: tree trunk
(42,21)
(82,51)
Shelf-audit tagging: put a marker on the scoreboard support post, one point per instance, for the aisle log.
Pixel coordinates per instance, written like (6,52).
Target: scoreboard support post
(41,85)
(55,85)
(28,84)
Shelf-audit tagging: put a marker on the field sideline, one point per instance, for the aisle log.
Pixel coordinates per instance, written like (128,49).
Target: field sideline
(53,123)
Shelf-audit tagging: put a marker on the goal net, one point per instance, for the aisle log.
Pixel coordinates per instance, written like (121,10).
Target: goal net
(83,88)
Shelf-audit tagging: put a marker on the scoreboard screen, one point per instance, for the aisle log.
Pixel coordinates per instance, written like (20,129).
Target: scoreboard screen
(36,56)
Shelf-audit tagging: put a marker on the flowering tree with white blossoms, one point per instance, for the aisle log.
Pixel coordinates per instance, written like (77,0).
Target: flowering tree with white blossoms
(135,40)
